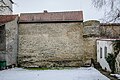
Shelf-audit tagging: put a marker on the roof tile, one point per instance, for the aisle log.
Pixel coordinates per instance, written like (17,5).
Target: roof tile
(7,18)
(51,16)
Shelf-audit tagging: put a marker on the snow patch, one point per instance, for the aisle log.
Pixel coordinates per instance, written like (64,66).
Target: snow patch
(67,74)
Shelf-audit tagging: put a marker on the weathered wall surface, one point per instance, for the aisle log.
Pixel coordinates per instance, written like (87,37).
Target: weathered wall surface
(50,44)
(2,43)
(89,48)
(11,42)
(2,38)
(90,33)
(91,29)
(110,31)
(61,44)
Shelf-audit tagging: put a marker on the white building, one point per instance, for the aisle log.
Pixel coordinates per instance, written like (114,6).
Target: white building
(104,46)
(6,7)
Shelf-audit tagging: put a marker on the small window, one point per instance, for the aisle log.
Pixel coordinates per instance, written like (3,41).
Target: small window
(100,52)
(105,51)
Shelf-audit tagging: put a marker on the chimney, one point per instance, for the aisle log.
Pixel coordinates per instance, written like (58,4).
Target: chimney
(45,11)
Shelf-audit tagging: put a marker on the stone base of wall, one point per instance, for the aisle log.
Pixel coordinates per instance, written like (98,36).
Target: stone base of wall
(66,60)
(51,45)
(48,64)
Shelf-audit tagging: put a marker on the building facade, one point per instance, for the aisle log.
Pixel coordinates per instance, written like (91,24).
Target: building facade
(8,39)
(50,39)
(104,47)
(105,51)
(60,38)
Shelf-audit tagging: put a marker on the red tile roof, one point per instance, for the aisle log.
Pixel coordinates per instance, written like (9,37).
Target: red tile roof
(51,16)
(7,18)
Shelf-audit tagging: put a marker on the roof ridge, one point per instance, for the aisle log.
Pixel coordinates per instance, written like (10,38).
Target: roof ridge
(51,12)
(52,16)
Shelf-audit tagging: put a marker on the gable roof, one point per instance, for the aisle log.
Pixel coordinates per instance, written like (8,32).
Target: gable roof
(51,16)
(7,18)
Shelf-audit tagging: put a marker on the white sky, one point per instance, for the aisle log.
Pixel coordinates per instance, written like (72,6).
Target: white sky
(89,12)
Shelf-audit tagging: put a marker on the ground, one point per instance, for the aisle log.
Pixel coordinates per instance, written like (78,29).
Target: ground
(65,74)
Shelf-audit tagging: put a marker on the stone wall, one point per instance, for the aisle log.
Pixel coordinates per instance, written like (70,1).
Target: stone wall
(91,32)
(90,48)
(2,38)
(61,44)
(2,43)
(91,28)
(50,44)
(110,31)
(11,42)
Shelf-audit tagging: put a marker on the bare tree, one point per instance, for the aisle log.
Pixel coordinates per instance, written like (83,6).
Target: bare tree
(111,7)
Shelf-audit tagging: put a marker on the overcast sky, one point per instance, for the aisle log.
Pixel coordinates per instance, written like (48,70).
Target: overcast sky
(89,12)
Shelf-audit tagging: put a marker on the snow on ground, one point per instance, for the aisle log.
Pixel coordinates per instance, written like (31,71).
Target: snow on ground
(66,74)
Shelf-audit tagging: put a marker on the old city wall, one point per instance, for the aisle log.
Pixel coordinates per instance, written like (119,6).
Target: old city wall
(50,44)
(2,42)
(11,29)
(110,30)
(90,34)
(61,44)
(94,30)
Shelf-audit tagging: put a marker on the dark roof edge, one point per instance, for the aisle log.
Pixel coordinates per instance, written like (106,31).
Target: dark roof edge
(109,24)
(48,21)
(108,39)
